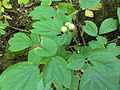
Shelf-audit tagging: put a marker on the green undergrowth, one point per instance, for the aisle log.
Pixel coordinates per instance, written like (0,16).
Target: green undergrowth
(96,64)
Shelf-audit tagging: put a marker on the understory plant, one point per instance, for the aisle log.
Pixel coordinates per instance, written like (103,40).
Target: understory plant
(51,65)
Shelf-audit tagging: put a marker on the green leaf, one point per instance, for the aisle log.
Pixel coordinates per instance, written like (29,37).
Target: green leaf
(61,18)
(0,12)
(70,8)
(95,44)
(85,4)
(0,4)
(21,76)
(76,62)
(108,25)
(115,68)
(2,32)
(2,25)
(36,58)
(90,28)
(19,42)
(42,87)
(47,28)
(64,39)
(92,79)
(74,83)
(118,13)
(43,11)
(84,50)
(49,48)
(101,40)
(23,1)
(50,0)
(100,43)
(52,27)
(46,3)
(35,37)
(102,56)
(64,54)
(115,50)
(55,71)
(6,4)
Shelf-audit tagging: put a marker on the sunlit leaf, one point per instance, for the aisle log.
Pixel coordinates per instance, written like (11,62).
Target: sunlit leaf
(89,13)
(69,7)
(97,7)
(46,3)
(6,4)
(85,4)
(23,1)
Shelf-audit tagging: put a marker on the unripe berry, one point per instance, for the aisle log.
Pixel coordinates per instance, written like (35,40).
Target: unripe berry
(64,29)
(67,24)
(71,26)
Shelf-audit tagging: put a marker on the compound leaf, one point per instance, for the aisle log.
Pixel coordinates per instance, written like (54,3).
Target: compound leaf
(108,25)
(19,42)
(90,28)
(21,76)
(55,72)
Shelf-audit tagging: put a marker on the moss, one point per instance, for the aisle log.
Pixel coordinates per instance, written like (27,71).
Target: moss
(13,55)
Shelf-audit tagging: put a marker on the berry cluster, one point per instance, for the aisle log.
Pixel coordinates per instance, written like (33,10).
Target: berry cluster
(67,25)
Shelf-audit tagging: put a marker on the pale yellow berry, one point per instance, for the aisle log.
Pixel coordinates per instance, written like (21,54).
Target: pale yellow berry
(71,26)
(64,29)
(67,24)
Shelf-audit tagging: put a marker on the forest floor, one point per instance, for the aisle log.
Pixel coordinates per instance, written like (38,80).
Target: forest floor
(21,22)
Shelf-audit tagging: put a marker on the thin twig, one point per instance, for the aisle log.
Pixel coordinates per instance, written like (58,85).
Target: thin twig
(79,27)
(22,30)
(114,39)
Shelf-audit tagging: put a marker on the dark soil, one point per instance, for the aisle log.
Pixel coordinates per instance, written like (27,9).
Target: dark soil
(21,22)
